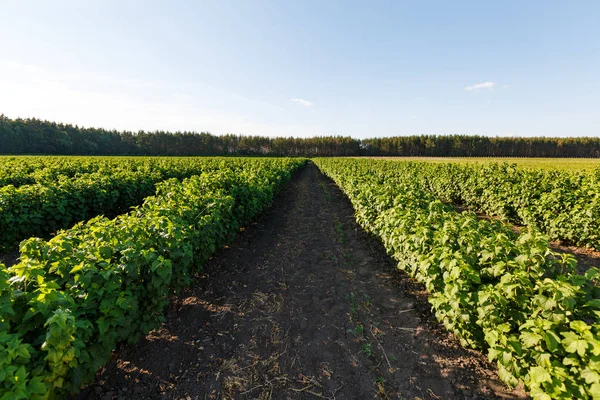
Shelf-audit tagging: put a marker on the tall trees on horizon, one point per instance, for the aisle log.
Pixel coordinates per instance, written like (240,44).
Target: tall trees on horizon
(34,136)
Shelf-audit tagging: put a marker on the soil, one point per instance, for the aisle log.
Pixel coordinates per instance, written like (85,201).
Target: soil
(303,305)
(9,259)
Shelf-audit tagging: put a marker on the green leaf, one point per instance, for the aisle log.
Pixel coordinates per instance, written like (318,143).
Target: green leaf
(530,339)
(579,326)
(595,391)
(552,340)
(590,376)
(507,377)
(578,346)
(77,268)
(37,386)
(102,325)
(539,375)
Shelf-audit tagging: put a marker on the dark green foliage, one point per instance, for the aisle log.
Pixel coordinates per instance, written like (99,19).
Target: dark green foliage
(481,146)
(33,136)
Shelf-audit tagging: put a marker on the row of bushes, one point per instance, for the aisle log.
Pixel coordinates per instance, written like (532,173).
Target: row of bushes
(29,170)
(71,299)
(115,186)
(508,294)
(563,205)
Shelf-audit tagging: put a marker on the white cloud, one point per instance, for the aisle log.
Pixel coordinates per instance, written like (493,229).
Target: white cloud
(479,86)
(305,103)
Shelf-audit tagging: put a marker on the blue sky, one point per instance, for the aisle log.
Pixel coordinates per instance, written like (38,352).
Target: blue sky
(304,68)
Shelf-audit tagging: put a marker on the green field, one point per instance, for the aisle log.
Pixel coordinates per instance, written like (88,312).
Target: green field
(70,300)
(104,243)
(508,294)
(565,164)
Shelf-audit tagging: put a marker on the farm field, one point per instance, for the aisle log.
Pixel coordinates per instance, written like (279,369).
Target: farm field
(564,164)
(40,195)
(298,200)
(365,278)
(69,301)
(303,305)
(505,292)
(564,205)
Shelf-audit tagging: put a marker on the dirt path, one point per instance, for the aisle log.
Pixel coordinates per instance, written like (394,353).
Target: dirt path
(304,305)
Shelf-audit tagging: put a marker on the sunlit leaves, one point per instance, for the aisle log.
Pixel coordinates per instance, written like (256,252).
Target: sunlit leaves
(497,290)
(71,299)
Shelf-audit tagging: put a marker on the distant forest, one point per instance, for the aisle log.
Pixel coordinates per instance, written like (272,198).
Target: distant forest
(33,136)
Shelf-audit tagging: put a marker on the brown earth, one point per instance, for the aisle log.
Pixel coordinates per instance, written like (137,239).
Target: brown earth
(304,305)
(9,259)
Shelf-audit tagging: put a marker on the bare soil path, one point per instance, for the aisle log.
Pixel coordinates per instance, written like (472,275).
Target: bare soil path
(304,305)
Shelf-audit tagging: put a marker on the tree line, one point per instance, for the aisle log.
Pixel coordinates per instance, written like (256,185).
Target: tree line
(34,136)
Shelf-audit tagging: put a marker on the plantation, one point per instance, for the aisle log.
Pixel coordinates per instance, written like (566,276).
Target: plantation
(70,300)
(564,205)
(496,290)
(41,195)
(564,164)
(107,244)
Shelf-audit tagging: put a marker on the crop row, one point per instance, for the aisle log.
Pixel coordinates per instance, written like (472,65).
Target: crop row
(504,293)
(30,170)
(42,209)
(563,205)
(71,299)
(25,170)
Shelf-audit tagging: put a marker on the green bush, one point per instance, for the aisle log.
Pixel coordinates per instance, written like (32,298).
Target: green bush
(498,291)
(71,299)
(111,188)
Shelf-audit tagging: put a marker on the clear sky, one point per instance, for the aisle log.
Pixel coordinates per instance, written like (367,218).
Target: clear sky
(304,68)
